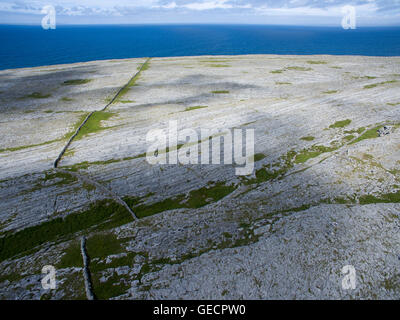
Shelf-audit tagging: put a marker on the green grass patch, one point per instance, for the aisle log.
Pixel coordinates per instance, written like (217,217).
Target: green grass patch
(220,91)
(65,137)
(359,130)
(349,137)
(259,156)
(86,164)
(218,65)
(37,95)
(276,71)
(75,82)
(102,245)
(316,62)
(296,68)
(369,134)
(384,198)
(61,177)
(313,152)
(364,77)
(195,199)
(281,83)
(66,99)
(264,174)
(393,104)
(132,82)
(126,101)
(94,123)
(12,149)
(373,85)
(114,286)
(330,91)
(72,256)
(308,138)
(340,124)
(100,215)
(195,108)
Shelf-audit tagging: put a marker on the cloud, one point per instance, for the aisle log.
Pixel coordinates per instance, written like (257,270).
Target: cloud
(206,10)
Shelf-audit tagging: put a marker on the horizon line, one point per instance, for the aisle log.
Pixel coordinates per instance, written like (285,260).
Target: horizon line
(198,23)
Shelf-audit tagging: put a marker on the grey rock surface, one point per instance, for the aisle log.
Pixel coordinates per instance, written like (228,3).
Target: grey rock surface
(324,194)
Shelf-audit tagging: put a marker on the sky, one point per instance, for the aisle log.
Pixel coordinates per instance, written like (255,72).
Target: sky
(269,12)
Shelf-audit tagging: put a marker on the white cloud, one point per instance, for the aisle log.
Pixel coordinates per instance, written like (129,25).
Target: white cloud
(330,11)
(208,10)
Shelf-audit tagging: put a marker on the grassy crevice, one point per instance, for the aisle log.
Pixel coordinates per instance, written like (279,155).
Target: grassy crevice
(100,215)
(195,199)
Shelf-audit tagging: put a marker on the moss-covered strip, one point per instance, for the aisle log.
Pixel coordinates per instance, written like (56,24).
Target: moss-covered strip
(195,199)
(93,124)
(132,82)
(100,215)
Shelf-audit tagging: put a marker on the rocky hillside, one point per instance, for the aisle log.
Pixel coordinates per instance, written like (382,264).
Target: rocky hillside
(325,191)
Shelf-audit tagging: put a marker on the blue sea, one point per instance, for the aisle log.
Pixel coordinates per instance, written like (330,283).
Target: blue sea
(30,46)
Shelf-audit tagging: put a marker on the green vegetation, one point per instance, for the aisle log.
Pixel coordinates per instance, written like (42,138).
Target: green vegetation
(195,108)
(364,77)
(126,101)
(336,67)
(316,62)
(313,152)
(66,99)
(74,82)
(195,199)
(369,86)
(308,138)
(94,123)
(100,215)
(28,146)
(369,134)
(114,286)
(359,130)
(103,245)
(330,92)
(393,104)
(49,111)
(63,178)
(86,164)
(281,83)
(349,137)
(37,95)
(259,156)
(340,124)
(65,137)
(277,71)
(384,198)
(132,82)
(220,91)
(72,256)
(146,65)
(299,68)
(263,175)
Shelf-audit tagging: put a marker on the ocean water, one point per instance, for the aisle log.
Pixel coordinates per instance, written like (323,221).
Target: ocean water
(29,46)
